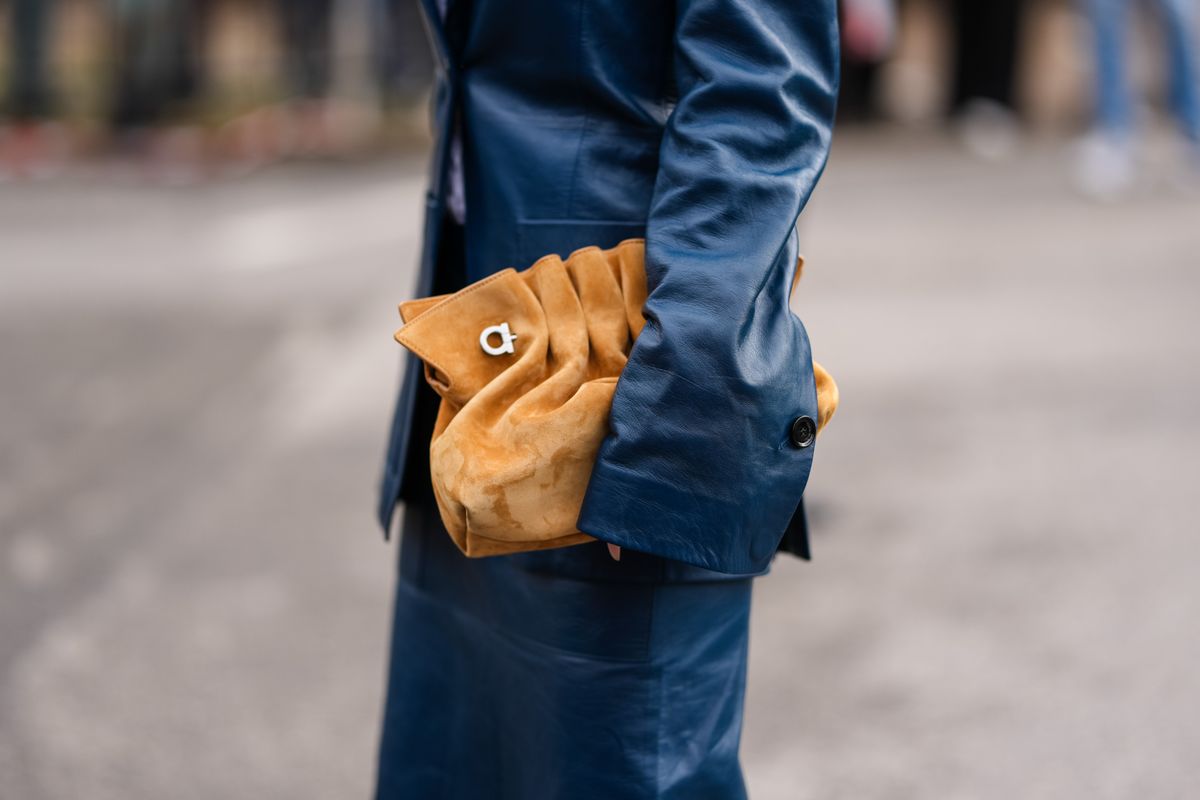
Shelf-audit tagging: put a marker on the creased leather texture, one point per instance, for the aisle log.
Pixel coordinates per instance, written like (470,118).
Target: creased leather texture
(517,432)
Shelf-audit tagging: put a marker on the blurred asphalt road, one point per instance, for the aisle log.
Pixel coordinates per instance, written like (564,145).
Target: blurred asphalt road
(1004,603)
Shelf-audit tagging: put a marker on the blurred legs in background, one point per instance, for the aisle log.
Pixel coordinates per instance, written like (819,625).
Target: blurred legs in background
(1113,103)
(985,53)
(158,77)
(1107,159)
(31,146)
(1182,48)
(869,31)
(986,49)
(306,30)
(402,64)
(306,27)
(29,95)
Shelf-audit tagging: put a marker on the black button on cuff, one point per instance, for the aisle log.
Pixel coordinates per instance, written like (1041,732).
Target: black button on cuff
(804,432)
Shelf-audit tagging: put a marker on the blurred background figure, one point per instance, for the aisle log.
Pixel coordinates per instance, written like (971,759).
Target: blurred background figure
(401,61)
(30,147)
(869,29)
(986,44)
(158,77)
(1107,160)
(330,61)
(306,37)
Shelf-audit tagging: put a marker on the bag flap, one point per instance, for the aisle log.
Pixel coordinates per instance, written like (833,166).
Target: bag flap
(468,338)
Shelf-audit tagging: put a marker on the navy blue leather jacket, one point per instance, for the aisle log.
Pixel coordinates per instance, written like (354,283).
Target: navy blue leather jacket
(702,125)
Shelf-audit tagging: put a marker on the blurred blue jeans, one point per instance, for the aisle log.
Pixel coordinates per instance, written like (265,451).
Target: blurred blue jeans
(1114,105)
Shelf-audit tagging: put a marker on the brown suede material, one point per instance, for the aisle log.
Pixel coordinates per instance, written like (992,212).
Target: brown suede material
(517,434)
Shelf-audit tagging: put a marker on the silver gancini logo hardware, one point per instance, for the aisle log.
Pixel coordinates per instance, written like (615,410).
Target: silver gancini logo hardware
(507,338)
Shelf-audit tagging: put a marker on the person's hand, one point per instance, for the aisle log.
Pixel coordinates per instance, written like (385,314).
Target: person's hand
(614,550)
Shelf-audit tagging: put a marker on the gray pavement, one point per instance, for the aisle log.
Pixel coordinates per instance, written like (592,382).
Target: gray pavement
(1004,601)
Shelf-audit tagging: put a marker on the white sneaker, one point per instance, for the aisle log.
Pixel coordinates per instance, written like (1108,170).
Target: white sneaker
(989,130)
(1105,166)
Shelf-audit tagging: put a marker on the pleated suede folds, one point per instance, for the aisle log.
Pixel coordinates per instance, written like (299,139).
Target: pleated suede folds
(526,363)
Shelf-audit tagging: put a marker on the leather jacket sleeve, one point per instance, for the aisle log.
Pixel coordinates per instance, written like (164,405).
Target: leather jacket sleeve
(698,465)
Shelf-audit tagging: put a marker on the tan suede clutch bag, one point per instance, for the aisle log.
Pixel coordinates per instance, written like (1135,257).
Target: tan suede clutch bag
(526,364)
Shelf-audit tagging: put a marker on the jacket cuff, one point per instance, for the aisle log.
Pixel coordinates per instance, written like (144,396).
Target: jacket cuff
(657,517)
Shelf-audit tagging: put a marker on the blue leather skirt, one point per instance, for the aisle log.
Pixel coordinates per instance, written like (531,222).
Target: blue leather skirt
(561,674)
